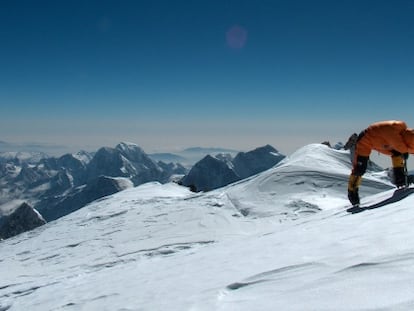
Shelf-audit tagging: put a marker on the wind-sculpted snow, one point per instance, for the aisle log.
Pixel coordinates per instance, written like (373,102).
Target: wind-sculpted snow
(243,247)
(314,178)
(125,230)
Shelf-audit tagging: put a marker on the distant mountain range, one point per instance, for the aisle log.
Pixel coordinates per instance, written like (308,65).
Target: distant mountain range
(187,157)
(56,186)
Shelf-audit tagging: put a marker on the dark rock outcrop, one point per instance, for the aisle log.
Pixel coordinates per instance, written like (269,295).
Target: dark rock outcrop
(215,172)
(24,218)
(258,160)
(56,207)
(208,174)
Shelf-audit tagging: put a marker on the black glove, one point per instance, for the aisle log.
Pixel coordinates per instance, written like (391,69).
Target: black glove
(399,177)
(396,153)
(353,197)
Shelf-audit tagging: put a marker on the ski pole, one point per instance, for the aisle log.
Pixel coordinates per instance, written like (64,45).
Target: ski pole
(406,173)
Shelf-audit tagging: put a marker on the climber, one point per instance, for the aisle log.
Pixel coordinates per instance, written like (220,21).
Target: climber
(392,138)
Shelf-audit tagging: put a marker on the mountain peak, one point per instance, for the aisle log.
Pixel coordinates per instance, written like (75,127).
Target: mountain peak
(132,151)
(122,146)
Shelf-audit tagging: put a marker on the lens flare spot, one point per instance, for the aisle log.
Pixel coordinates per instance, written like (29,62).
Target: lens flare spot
(236,37)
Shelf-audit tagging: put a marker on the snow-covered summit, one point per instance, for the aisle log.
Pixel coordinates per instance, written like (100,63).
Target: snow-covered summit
(83,156)
(320,158)
(131,151)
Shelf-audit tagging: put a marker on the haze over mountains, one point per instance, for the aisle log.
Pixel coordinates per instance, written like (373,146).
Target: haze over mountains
(49,149)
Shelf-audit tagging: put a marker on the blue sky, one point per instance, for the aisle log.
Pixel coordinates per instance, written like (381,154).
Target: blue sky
(173,74)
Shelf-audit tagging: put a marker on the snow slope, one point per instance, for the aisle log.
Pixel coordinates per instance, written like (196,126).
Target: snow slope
(243,247)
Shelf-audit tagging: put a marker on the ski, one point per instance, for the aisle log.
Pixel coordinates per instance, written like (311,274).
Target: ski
(398,195)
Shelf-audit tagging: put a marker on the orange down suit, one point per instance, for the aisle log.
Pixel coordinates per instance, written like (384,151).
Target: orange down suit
(386,137)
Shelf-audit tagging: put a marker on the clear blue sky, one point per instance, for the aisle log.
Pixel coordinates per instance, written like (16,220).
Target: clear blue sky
(170,74)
